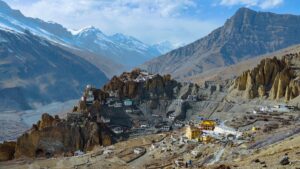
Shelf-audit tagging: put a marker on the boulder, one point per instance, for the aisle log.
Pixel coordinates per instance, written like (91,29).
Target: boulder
(285,161)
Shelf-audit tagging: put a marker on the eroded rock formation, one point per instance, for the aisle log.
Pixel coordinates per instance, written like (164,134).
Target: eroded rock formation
(273,78)
(141,85)
(7,151)
(53,136)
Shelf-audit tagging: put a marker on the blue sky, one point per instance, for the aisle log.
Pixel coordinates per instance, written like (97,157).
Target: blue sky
(152,21)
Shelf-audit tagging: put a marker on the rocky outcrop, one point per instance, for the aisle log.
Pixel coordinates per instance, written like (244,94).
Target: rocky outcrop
(141,85)
(7,151)
(47,121)
(281,83)
(293,89)
(273,78)
(53,136)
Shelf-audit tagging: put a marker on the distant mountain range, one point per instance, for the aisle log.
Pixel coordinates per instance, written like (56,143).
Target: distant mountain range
(120,48)
(165,46)
(245,35)
(43,62)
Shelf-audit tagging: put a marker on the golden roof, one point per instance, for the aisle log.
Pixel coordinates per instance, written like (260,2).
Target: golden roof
(208,123)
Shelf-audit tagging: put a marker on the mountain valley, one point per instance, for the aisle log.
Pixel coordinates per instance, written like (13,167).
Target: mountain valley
(136,104)
(85,99)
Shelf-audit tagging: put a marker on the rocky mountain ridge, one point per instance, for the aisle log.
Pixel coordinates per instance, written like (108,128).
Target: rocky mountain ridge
(245,35)
(120,48)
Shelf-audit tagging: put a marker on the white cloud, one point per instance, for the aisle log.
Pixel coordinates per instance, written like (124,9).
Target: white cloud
(263,4)
(270,4)
(239,2)
(149,20)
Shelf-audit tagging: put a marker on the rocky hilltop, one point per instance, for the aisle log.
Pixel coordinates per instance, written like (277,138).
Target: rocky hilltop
(84,128)
(273,78)
(114,113)
(53,136)
(129,85)
(245,35)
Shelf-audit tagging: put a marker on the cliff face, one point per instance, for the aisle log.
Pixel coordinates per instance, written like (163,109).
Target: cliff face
(141,85)
(52,136)
(273,78)
(7,150)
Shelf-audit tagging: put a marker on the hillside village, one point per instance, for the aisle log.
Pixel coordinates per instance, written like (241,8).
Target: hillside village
(190,122)
(226,100)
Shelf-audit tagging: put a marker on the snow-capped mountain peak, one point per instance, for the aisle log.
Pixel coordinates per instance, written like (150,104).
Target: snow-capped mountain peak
(122,38)
(120,48)
(129,41)
(91,31)
(164,47)
(15,20)
(91,35)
